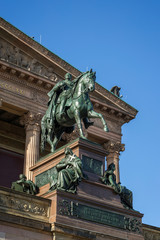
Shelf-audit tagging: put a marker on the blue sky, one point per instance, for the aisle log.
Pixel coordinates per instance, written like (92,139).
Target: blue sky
(120,40)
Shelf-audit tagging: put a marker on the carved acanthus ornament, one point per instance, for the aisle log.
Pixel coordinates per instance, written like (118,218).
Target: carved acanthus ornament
(113,152)
(31,121)
(112,147)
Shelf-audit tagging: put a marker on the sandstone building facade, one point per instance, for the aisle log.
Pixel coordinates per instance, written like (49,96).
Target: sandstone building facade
(28,71)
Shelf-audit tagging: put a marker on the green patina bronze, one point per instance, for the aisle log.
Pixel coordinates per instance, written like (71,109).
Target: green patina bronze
(69,103)
(97,215)
(44,177)
(24,185)
(68,173)
(92,165)
(125,194)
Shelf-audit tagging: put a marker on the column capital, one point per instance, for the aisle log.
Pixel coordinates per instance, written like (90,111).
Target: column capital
(114,147)
(31,121)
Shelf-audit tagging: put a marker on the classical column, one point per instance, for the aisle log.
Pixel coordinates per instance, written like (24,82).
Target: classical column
(32,126)
(114,150)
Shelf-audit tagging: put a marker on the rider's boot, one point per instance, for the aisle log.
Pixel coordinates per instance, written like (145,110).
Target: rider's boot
(61,109)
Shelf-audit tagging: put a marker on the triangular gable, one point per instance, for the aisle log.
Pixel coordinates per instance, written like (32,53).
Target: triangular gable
(35,58)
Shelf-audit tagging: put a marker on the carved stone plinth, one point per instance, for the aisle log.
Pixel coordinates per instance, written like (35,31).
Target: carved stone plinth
(96,210)
(91,154)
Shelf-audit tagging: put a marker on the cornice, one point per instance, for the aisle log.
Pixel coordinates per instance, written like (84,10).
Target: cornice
(115,100)
(111,112)
(11,71)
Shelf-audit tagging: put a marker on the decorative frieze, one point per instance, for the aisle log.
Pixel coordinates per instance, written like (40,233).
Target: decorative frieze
(14,55)
(84,212)
(38,47)
(23,205)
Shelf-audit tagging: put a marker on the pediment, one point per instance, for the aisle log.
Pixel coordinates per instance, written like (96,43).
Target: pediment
(22,51)
(16,56)
(35,50)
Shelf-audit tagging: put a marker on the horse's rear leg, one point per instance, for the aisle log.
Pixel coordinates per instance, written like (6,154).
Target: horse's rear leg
(43,134)
(49,138)
(93,114)
(57,137)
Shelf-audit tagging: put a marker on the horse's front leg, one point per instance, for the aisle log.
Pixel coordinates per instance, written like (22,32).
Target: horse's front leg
(93,114)
(78,121)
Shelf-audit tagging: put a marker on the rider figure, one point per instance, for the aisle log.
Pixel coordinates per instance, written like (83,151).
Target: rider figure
(66,88)
(63,91)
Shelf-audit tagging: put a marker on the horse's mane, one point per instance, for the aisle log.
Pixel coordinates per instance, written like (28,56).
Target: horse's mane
(79,78)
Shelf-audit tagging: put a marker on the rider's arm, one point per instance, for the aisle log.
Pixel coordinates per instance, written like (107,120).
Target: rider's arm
(55,88)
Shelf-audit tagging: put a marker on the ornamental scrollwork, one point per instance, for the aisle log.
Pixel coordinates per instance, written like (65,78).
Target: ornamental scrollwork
(23,206)
(133,225)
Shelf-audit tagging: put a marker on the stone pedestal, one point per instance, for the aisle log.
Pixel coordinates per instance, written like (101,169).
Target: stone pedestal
(96,211)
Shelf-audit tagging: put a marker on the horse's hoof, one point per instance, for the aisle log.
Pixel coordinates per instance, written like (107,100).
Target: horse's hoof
(106,129)
(84,137)
(52,150)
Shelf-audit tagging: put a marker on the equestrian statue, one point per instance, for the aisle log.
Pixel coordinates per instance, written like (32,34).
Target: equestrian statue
(69,103)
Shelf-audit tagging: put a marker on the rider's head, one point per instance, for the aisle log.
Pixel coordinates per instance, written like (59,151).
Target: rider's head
(22,176)
(68,76)
(68,151)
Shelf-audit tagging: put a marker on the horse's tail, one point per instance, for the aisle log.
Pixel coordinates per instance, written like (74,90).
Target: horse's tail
(43,134)
(43,143)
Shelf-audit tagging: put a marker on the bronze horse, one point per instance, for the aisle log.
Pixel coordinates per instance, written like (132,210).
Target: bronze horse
(78,107)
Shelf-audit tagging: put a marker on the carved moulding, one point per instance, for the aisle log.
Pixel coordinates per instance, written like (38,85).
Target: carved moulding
(119,102)
(22,89)
(114,115)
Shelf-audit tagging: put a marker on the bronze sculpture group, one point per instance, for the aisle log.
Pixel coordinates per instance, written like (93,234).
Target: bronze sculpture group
(69,103)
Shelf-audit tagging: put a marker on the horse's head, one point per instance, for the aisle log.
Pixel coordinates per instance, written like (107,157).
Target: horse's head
(89,81)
